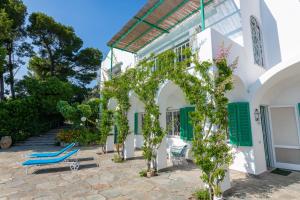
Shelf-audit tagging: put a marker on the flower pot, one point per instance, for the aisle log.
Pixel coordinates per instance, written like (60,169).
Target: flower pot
(6,142)
(150,174)
(218,198)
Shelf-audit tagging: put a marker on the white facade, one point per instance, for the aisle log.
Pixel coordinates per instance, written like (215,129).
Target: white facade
(273,89)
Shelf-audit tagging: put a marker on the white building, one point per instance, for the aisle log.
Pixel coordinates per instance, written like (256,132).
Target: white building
(264,108)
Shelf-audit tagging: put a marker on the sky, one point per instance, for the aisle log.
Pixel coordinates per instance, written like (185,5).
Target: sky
(94,21)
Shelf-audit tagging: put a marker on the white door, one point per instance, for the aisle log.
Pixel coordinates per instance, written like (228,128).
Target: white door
(285,137)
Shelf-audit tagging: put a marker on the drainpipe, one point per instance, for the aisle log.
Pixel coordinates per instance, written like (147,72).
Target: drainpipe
(202,14)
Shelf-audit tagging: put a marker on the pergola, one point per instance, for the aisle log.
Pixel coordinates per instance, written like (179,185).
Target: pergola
(156,18)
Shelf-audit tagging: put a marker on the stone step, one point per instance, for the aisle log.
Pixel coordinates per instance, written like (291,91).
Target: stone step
(47,139)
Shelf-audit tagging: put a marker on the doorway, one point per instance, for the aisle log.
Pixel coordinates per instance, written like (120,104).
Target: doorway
(265,125)
(285,137)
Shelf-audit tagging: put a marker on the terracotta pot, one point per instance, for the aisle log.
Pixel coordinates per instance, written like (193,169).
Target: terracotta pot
(6,142)
(150,174)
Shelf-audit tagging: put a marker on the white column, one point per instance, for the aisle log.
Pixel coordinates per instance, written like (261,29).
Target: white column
(110,143)
(162,156)
(225,184)
(138,141)
(129,146)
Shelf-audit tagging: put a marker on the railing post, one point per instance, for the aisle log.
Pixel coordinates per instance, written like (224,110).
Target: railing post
(202,14)
(111,60)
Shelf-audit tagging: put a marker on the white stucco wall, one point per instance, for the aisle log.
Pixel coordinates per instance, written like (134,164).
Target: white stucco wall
(136,106)
(271,85)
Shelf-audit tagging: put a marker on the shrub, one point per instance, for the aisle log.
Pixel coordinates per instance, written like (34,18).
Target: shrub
(89,133)
(143,173)
(118,159)
(34,111)
(202,194)
(83,136)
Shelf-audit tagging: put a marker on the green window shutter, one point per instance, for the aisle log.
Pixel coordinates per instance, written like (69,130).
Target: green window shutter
(299,108)
(190,135)
(115,134)
(233,123)
(183,123)
(186,126)
(136,123)
(244,124)
(239,122)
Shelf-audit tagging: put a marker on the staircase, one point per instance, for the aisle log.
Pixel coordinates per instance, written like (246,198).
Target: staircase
(47,139)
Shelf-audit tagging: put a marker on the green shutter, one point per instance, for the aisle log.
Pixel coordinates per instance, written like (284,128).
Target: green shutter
(190,135)
(136,123)
(244,128)
(115,134)
(183,124)
(299,108)
(239,124)
(233,123)
(186,126)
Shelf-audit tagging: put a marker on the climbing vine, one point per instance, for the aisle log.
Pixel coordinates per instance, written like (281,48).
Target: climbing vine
(117,88)
(204,87)
(147,82)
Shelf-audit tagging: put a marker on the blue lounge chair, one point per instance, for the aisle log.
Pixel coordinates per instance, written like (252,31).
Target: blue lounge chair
(74,164)
(50,154)
(178,154)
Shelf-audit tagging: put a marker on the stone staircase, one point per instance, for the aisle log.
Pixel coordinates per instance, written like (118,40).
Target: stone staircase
(47,139)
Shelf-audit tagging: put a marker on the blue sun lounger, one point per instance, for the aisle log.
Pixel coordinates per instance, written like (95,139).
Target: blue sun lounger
(50,154)
(74,164)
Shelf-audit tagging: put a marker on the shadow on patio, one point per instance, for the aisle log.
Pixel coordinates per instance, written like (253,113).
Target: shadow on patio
(264,186)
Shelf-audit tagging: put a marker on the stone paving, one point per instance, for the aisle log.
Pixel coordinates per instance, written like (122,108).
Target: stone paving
(108,181)
(120,181)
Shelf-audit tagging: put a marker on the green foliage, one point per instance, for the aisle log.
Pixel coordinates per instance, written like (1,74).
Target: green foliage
(20,118)
(86,131)
(202,194)
(143,173)
(69,112)
(35,111)
(117,158)
(85,110)
(60,52)
(82,136)
(117,88)
(13,14)
(47,92)
(5,25)
(207,94)
(75,113)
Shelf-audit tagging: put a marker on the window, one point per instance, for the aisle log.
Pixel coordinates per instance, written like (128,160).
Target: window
(179,50)
(173,122)
(257,42)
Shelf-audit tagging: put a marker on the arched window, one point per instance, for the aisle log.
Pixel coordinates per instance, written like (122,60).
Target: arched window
(257,42)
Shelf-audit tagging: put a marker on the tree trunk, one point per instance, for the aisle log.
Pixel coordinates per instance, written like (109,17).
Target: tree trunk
(148,165)
(11,70)
(1,86)
(211,193)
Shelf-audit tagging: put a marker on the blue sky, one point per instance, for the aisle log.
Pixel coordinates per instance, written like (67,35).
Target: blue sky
(95,21)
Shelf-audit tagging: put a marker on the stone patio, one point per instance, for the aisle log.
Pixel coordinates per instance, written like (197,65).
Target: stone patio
(121,180)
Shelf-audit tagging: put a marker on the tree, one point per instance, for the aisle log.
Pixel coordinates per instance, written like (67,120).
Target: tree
(211,151)
(87,63)
(16,12)
(60,52)
(5,28)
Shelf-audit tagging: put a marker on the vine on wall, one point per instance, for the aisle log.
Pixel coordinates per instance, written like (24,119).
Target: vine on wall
(205,88)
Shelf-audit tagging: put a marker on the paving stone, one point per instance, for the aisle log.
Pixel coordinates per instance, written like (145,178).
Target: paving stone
(113,181)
